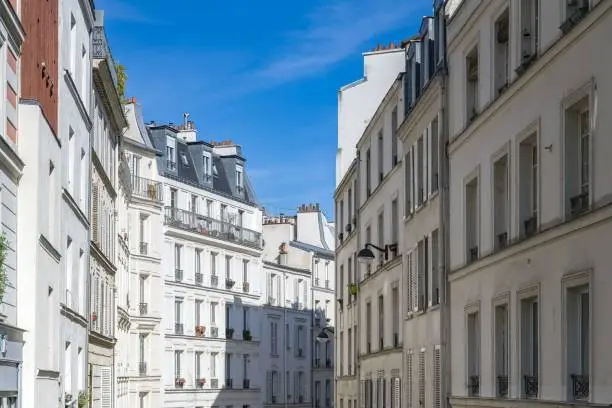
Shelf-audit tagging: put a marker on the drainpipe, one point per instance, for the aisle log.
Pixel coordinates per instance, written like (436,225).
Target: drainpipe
(313,329)
(357,351)
(445,295)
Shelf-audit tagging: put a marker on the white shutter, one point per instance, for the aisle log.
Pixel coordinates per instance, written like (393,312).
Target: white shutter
(94,213)
(414,176)
(396,401)
(436,378)
(362,394)
(422,378)
(409,397)
(106,387)
(414,271)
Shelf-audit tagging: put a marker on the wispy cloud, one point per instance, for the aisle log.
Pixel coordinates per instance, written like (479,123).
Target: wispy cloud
(120,10)
(335,31)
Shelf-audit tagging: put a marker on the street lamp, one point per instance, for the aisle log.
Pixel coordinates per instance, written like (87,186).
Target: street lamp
(323,337)
(366,256)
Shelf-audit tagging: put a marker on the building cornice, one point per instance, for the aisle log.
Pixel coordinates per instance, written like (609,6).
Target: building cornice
(75,208)
(100,256)
(73,316)
(141,147)
(286,268)
(431,94)
(10,161)
(87,6)
(49,248)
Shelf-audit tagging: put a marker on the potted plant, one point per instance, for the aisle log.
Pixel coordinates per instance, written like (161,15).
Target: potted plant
(151,191)
(353,289)
(229,333)
(200,330)
(201,381)
(83,399)
(179,381)
(246,335)
(94,316)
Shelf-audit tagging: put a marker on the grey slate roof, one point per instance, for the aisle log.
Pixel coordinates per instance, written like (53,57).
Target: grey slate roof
(222,183)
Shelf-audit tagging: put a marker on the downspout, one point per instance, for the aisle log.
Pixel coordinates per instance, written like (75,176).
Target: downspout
(313,336)
(357,206)
(88,275)
(444,229)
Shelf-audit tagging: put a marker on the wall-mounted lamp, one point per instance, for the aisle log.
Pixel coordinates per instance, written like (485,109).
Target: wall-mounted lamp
(366,256)
(549,147)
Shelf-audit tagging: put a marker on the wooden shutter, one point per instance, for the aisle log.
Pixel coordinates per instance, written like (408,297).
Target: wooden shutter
(409,397)
(422,378)
(436,378)
(94,213)
(106,387)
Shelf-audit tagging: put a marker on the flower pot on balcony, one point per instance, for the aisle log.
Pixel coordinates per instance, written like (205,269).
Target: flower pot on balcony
(229,333)
(200,330)
(94,316)
(353,289)
(246,335)
(229,283)
(179,382)
(201,382)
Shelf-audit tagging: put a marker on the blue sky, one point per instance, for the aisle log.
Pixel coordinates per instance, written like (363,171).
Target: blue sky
(264,74)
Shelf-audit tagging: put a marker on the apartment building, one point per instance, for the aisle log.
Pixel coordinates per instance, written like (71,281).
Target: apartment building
(424,161)
(141,342)
(108,124)
(11,170)
(299,265)
(377,288)
(211,267)
(529,201)
(358,103)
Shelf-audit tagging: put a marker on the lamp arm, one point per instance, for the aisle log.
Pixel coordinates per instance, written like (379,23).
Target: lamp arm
(375,247)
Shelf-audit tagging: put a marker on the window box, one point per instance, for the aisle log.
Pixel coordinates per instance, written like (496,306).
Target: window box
(246,335)
(201,382)
(229,283)
(179,382)
(200,330)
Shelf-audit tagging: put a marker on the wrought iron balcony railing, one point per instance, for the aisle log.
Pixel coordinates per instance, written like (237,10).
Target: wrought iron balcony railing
(144,248)
(474,386)
(178,275)
(214,383)
(502,386)
(531,386)
(178,328)
(146,188)
(101,50)
(198,278)
(229,383)
(204,225)
(246,383)
(580,386)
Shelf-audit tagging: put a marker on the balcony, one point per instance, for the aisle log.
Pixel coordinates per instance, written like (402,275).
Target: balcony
(147,189)
(229,283)
(229,334)
(178,328)
(178,275)
(531,386)
(198,278)
(474,386)
(170,165)
(144,248)
(246,287)
(502,386)
(142,369)
(580,387)
(203,225)
(101,50)
(246,383)
(143,308)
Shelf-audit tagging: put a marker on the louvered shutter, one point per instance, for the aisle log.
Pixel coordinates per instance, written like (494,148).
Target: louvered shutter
(422,378)
(409,397)
(269,386)
(296,385)
(305,301)
(397,393)
(384,393)
(436,379)
(94,213)
(362,393)
(426,161)
(414,272)
(106,387)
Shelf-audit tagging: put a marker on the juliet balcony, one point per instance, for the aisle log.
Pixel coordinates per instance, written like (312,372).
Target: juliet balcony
(147,189)
(203,225)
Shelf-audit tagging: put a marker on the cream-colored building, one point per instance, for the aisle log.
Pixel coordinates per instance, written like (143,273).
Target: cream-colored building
(529,88)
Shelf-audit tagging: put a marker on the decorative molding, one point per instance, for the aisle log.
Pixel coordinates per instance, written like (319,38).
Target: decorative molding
(77,98)
(48,246)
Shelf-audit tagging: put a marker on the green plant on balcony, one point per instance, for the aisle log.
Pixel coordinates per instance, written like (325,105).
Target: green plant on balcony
(353,289)
(83,399)
(121,80)
(246,335)
(3,276)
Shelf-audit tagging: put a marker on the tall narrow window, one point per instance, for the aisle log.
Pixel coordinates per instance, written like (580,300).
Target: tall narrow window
(435,170)
(194,204)
(198,265)
(213,264)
(501,52)
(473,354)
(173,199)
(84,71)
(423,270)
(178,316)
(501,202)
(502,350)
(530,33)
(420,163)
(381,152)
(472,84)
(471,220)
(381,323)
(71,161)
(213,365)
(368,171)
(198,365)
(177,263)
(577,157)
(177,364)
(394,222)
(239,179)
(381,236)
(349,339)
(396,315)
(198,312)
(228,369)
(394,139)
(578,343)
(73,46)
(530,347)
(368,327)
(528,186)
(408,184)
(213,313)
(435,271)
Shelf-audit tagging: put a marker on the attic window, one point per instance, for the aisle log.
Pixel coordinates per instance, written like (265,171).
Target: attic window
(184,159)
(214,168)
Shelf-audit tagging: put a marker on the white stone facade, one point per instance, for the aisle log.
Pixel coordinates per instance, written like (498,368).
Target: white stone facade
(529,201)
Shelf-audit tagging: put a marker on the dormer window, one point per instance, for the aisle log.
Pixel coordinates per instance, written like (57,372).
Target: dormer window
(207,169)
(184,160)
(170,158)
(239,179)
(214,170)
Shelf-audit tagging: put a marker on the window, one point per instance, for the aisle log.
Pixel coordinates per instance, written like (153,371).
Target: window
(394,139)
(350,207)
(530,30)
(213,313)
(502,349)
(173,198)
(170,163)
(52,203)
(528,186)
(274,338)
(177,363)
(178,313)
(141,347)
(472,85)
(501,52)
(473,354)
(198,364)
(287,337)
(194,204)
(381,237)
(396,315)
(228,369)
(213,365)
(209,209)
(341,354)
(349,339)
(368,327)
(341,291)
(420,164)
(341,215)
(435,272)
(435,171)
(381,323)
(577,157)
(245,318)
(471,220)
(501,202)
(245,366)
(408,184)
(422,378)
(184,160)
(529,346)
(177,262)
(71,161)
(423,268)
(578,343)
(368,238)
(198,265)
(228,266)
(368,171)
(213,263)
(228,311)
(239,178)
(381,152)
(198,312)
(206,160)
(245,270)
(349,275)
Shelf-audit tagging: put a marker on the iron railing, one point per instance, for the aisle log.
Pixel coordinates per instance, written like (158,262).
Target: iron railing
(502,386)
(178,328)
(531,386)
(214,383)
(214,281)
(144,309)
(246,287)
(144,248)
(198,278)
(205,225)
(214,332)
(229,383)
(101,50)
(246,383)
(580,387)
(178,275)
(474,386)
(146,188)
(142,368)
